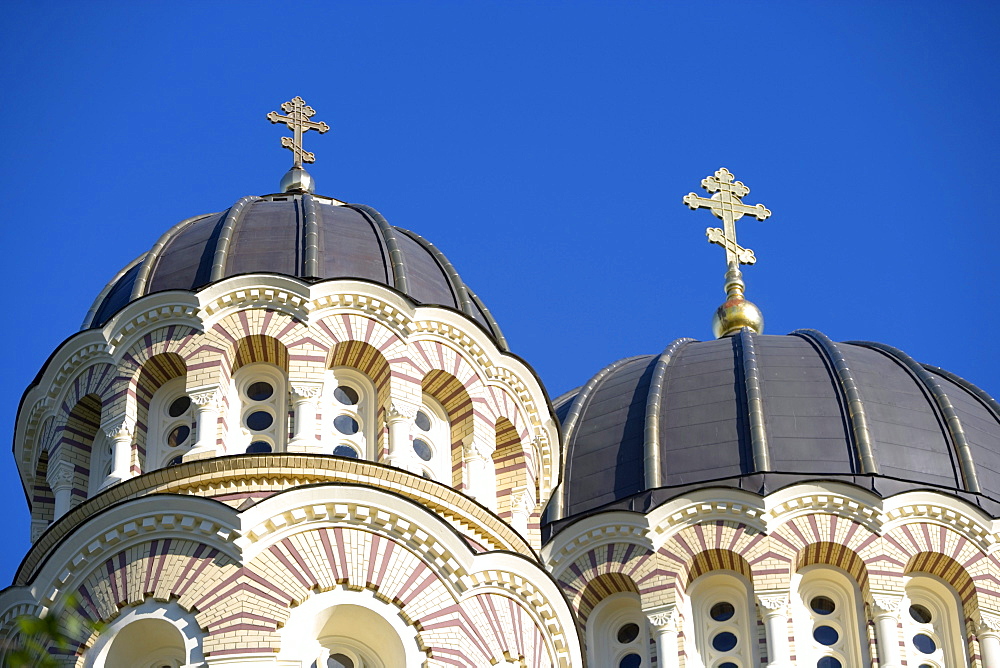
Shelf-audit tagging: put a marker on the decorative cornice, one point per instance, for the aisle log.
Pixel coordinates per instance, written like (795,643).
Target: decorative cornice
(777,602)
(988,623)
(399,411)
(211,397)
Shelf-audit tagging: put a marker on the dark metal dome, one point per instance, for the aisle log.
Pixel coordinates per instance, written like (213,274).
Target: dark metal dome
(309,237)
(760,412)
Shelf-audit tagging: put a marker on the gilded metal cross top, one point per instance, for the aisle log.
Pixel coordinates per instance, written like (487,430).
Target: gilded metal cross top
(297,119)
(725,204)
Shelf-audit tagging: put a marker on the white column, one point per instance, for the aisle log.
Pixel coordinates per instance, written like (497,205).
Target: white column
(119,431)
(885,611)
(208,401)
(476,459)
(774,608)
(305,398)
(989,639)
(665,625)
(60,478)
(399,420)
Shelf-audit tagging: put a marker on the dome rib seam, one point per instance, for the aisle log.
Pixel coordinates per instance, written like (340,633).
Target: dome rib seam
(754,401)
(573,415)
(151,258)
(955,430)
(88,320)
(454,280)
(856,405)
(494,325)
(233,217)
(652,464)
(397,266)
(988,402)
(310,238)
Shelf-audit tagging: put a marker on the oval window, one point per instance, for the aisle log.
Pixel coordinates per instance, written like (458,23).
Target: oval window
(259,391)
(346,395)
(826,635)
(720,612)
(920,614)
(630,661)
(723,642)
(345,451)
(924,643)
(423,422)
(179,459)
(422,449)
(728,664)
(258,447)
(339,661)
(345,424)
(179,406)
(829,662)
(259,420)
(628,633)
(822,605)
(178,435)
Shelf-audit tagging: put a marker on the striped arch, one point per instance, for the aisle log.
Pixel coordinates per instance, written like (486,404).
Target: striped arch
(452,395)
(952,572)
(101,380)
(156,371)
(698,546)
(254,335)
(716,560)
(367,359)
(601,587)
(76,441)
(41,500)
(834,554)
(512,474)
(170,340)
(431,356)
(259,348)
(629,561)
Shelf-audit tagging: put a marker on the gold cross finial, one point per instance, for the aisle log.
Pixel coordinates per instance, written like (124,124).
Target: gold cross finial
(297,119)
(736,313)
(725,204)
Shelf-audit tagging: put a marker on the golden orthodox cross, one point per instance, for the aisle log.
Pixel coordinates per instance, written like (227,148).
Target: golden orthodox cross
(297,119)
(725,204)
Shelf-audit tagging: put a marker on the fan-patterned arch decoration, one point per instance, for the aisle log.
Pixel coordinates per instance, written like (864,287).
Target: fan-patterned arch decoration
(614,564)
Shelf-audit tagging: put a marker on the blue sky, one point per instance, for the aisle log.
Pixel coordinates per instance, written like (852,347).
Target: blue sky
(544,147)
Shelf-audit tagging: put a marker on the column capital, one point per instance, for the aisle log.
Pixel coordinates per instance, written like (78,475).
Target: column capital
(988,623)
(400,412)
(473,450)
(207,397)
(886,605)
(38,527)
(60,475)
(775,602)
(668,619)
(121,426)
(302,391)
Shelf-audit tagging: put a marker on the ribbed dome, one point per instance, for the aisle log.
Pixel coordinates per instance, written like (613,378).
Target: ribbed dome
(760,412)
(310,237)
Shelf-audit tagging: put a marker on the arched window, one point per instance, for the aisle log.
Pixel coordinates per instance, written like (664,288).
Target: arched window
(349,414)
(827,614)
(171,425)
(724,636)
(432,440)
(932,624)
(617,633)
(259,400)
(150,635)
(101,462)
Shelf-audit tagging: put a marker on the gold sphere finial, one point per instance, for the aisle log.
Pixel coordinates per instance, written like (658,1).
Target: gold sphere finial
(737,312)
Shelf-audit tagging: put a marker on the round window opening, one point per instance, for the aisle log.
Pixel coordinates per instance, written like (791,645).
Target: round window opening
(826,635)
(822,605)
(340,661)
(920,614)
(723,642)
(179,406)
(178,435)
(728,664)
(345,451)
(630,661)
(258,447)
(347,396)
(345,424)
(259,420)
(423,422)
(628,633)
(924,643)
(176,460)
(720,612)
(829,662)
(260,391)
(422,449)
